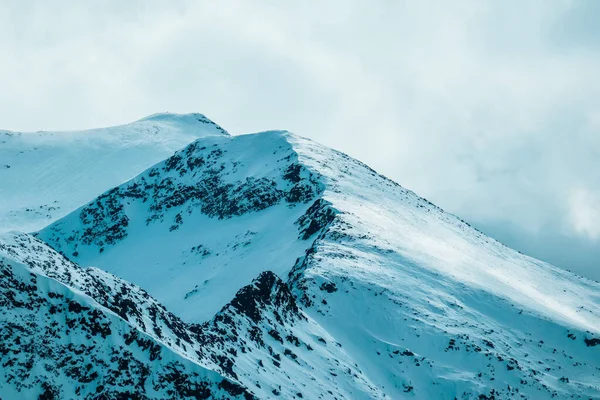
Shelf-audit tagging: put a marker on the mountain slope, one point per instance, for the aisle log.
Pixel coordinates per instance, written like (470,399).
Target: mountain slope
(72,332)
(57,342)
(196,200)
(418,301)
(46,175)
(424,301)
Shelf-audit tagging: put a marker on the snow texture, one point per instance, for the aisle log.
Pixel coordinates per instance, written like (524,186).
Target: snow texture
(46,175)
(287,269)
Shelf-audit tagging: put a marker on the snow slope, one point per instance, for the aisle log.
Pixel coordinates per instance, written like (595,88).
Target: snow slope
(72,332)
(59,342)
(46,175)
(227,207)
(412,301)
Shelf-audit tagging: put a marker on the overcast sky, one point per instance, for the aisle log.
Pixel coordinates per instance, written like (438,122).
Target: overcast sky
(490,109)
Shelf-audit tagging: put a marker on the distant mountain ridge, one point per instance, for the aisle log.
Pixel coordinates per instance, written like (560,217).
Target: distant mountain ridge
(287,269)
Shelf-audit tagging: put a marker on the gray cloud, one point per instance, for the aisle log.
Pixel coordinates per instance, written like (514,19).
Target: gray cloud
(489,109)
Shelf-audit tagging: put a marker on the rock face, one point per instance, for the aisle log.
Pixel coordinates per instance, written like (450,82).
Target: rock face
(88,340)
(279,268)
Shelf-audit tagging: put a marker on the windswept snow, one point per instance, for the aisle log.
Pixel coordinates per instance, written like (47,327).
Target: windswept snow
(420,302)
(46,175)
(428,305)
(197,227)
(290,270)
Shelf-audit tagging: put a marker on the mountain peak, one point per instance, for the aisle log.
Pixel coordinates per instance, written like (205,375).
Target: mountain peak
(295,264)
(187,121)
(69,168)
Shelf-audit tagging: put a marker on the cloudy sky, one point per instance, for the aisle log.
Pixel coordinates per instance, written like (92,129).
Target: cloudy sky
(490,109)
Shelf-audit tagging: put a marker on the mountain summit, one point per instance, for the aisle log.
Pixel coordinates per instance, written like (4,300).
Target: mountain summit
(46,175)
(280,268)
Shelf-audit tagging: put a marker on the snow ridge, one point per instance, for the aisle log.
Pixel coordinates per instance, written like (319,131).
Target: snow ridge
(67,169)
(295,271)
(207,187)
(254,333)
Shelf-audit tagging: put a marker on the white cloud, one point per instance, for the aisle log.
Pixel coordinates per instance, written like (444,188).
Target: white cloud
(585,213)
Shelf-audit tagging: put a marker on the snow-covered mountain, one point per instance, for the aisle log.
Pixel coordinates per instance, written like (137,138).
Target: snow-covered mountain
(46,175)
(266,266)
(402,298)
(103,337)
(228,204)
